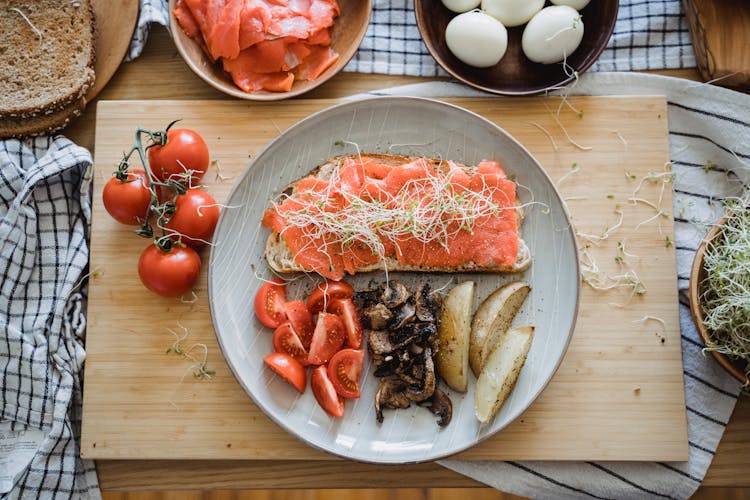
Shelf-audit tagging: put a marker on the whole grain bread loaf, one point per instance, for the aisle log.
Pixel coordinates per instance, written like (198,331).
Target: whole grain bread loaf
(41,124)
(46,56)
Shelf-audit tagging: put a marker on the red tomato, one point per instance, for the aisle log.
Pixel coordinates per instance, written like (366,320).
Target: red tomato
(171,273)
(185,150)
(269,303)
(327,339)
(287,342)
(301,320)
(322,294)
(195,217)
(325,393)
(128,201)
(347,312)
(287,368)
(344,370)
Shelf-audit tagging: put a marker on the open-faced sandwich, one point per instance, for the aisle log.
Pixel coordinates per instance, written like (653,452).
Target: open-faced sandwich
(368,212)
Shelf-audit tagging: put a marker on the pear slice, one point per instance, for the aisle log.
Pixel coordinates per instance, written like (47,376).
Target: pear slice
(493,317)
(454,331)
(500,372)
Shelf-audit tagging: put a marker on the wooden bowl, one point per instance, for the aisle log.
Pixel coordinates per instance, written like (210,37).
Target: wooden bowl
(697,275)
(515,74)
(346,34)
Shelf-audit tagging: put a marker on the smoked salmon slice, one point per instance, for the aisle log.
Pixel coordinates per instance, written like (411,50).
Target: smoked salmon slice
(187,21)
(263,44)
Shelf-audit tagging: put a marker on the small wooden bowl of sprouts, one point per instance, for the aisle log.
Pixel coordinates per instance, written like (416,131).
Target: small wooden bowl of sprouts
(720,291)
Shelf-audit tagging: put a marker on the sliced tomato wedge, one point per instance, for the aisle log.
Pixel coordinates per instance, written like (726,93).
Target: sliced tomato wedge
(347,312)
(327,339)
(287,368)
(301,320)
(269,303)
(321,296)
(345,371)
(286,341)
(325,393)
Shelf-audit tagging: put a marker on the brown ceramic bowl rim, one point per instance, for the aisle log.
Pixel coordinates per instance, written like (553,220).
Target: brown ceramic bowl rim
(697,274)
(228,87)
(594,56)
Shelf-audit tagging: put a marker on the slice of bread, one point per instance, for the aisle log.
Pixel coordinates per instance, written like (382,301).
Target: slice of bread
(47,55)
(281,260)
(45,123)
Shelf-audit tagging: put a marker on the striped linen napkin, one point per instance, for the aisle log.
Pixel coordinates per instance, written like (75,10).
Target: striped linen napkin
(707,126)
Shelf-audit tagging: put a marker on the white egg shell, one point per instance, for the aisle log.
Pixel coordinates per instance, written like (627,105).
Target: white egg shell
(476,39)
(553,34)
(576,4)
(461,5)
(512,12)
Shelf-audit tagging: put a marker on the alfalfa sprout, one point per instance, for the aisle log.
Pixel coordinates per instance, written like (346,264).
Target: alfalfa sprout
(725,290)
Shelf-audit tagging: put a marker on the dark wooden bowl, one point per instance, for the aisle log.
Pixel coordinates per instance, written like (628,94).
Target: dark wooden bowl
(697,275)
(346,35)
(515,74)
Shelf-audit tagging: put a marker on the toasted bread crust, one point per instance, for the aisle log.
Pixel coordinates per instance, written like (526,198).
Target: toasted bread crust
(280,258)
(41,124)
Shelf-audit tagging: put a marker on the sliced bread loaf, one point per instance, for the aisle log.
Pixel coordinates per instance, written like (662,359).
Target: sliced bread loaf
(47,55)
(41,124)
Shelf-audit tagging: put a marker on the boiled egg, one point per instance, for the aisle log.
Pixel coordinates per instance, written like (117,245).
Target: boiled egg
(576,4)
(512,12)
(461,5)
(476,39)
(553,34)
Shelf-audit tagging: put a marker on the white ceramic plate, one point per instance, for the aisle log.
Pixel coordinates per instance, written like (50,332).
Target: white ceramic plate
(408,126)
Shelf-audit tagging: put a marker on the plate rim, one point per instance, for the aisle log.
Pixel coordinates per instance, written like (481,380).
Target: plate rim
(395,100)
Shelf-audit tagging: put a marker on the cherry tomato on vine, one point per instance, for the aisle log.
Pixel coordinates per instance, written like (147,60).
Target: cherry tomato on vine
(345,370)
(127,201)
(321,296)
(269,303)
(169,273)
(184,150)
(195,217)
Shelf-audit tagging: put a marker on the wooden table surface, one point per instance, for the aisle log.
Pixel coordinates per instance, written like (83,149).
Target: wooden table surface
(160,73)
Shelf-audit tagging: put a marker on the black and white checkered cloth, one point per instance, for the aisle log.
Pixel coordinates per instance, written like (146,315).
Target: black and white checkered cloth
(707,126)
(649,34)
(45,213)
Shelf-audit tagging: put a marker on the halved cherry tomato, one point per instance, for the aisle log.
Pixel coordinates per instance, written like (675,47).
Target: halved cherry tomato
(321,296)
(269,303)
(345,370)
(287,342)
(184,151)
(347,312)
(287,368)
(301,320)
(327,339)
(127,201)
(325,393)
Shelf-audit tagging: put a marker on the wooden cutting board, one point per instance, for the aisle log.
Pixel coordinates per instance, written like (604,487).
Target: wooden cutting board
(618,394)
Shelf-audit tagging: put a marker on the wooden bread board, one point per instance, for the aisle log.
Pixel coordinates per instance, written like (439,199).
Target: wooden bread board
(720,31)
(618,395)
